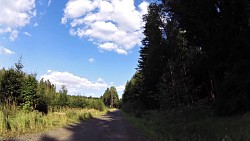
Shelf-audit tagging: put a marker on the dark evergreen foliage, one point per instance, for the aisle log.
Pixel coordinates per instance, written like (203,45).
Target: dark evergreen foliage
(194,53)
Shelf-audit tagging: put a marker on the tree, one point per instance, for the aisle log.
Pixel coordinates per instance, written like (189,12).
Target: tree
(11,87)
(131,98)
(151,59)
(63,98)
(220,29)
(110,97)
(29,96)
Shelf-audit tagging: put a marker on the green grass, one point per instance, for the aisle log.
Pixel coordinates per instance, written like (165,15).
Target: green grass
(19,122)
(194,124)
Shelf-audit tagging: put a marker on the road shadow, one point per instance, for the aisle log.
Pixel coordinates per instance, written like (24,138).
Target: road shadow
(47,138)
(110,127)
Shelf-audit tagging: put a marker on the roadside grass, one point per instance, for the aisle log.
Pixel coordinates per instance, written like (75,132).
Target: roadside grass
(15,122)
(196,124)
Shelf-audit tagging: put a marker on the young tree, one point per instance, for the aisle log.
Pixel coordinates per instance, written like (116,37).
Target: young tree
(29,96)
(63,98)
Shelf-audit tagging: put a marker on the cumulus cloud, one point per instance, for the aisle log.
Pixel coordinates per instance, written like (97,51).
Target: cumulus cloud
(114,25)
(15,14)
(6,51)
(91,60)
(120,90)
(74,84)
(79,85)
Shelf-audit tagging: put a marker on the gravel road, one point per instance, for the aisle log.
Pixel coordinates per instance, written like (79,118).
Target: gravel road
(109,127)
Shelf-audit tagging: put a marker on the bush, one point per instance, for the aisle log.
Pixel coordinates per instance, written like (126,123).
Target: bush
(96,104)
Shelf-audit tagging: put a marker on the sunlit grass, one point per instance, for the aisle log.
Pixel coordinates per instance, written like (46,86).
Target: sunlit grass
(15,122)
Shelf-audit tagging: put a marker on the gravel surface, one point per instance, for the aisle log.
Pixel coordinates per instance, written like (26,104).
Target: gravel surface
(109,127)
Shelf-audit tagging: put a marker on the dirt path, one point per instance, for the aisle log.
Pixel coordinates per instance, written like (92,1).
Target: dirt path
(110,127)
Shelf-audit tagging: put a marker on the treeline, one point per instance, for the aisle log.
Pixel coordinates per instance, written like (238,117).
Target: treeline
(193,53)
(23,90)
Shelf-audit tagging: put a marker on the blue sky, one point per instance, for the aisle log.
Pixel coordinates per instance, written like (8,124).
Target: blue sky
(87,45)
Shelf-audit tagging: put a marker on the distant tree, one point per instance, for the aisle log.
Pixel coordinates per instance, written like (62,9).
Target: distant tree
(131,98)
(110,97)
(63,98)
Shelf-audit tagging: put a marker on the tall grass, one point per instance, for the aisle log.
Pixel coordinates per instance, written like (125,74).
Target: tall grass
(15,122)
(192,125)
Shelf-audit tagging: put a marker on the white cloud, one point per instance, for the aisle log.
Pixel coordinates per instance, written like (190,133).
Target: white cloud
(15,14)
(112,47)
(108,46)
(6,51)
(79,85)
(91,60)
(144,8)
(100,80)
(115,25)
(121,51)
(75,84)
(120,89)
(13,35)
(27,33)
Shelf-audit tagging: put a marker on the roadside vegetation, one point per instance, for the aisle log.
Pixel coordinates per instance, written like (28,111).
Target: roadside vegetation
(28,105)
(20,122)
(193,75)
(194,124)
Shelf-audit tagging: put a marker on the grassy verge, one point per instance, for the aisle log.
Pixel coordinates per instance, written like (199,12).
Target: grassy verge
(19,122)
(192,125)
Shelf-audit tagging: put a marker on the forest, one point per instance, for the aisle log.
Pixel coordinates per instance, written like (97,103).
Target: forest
(28,105)
(21,89)
(194,60)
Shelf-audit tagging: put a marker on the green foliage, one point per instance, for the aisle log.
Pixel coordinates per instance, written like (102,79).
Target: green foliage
(63,98)
(20,122)
(151,59)
(193,53)
(95,104)
(110,97)
(77,101)
(21,89)
(11,86)
(29,95)
(219,29)
(132,93)
(193,124)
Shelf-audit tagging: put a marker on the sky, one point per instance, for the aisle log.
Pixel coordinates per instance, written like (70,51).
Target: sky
(86,45)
